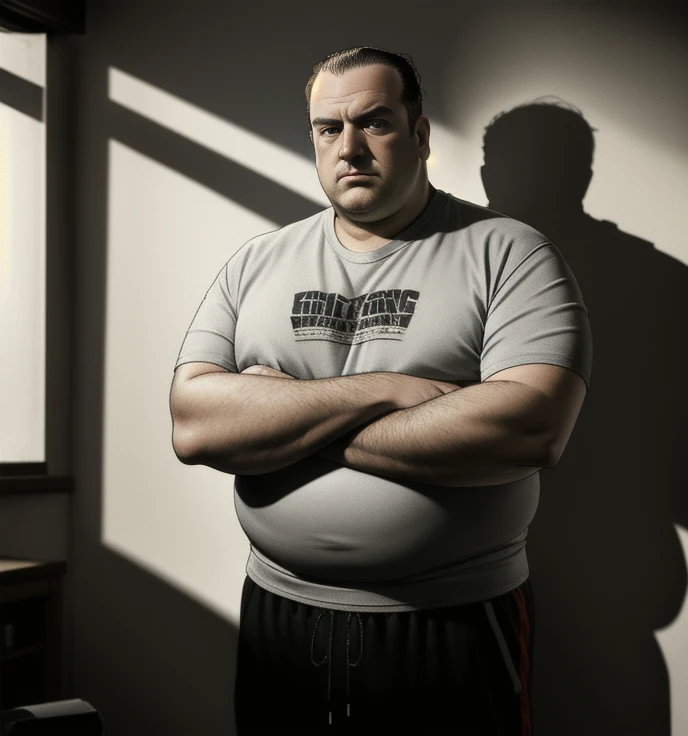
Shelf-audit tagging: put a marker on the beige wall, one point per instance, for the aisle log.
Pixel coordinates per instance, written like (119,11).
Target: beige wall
(166,192)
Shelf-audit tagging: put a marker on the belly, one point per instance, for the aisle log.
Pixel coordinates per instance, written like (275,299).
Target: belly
(319,519)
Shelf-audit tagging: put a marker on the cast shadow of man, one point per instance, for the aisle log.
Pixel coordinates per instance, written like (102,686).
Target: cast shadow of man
(606,562)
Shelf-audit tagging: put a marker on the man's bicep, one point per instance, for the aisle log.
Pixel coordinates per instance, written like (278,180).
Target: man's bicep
(565,389)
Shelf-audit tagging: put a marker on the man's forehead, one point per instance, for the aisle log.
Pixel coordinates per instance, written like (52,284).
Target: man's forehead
(361,88)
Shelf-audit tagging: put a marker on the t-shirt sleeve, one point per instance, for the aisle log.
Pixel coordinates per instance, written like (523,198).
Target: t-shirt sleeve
(537,315)
(210,337)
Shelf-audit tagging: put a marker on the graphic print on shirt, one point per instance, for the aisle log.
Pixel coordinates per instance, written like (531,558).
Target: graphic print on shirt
(319,315)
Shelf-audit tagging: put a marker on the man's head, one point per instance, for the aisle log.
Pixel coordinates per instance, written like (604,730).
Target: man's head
(391,144)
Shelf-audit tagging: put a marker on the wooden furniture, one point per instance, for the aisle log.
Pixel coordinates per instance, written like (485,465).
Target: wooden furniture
(30,631)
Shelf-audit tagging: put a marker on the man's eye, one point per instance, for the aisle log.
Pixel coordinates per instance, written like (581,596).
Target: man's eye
(381,123)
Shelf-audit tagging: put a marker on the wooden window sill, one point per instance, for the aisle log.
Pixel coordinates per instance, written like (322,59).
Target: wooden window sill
(36,484)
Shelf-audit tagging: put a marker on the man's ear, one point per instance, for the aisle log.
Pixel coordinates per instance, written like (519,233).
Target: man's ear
(424,121)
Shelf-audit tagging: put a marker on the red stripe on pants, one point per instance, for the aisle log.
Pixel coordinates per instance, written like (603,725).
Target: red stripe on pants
(524,669)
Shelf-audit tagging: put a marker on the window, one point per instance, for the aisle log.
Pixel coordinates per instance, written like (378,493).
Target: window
(22,248)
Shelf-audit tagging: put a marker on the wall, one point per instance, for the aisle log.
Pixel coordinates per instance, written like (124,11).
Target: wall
(191,139)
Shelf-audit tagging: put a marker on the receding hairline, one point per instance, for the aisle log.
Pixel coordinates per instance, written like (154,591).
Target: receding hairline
(378,108)
(323,71)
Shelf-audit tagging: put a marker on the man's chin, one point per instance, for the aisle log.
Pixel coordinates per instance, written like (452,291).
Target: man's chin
(357,206)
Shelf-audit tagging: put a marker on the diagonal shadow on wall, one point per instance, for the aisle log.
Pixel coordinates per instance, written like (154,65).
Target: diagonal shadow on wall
(228,178)
(21,95)
(160,610)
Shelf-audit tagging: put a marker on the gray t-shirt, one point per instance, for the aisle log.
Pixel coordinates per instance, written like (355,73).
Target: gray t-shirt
(461,294)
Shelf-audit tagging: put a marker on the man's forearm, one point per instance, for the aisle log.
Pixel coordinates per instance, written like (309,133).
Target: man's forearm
(247,424)
(476,436)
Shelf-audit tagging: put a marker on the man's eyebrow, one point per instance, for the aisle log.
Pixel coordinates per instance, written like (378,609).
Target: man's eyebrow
(378,110)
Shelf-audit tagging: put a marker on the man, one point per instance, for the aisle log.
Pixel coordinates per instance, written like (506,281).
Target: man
(385,379)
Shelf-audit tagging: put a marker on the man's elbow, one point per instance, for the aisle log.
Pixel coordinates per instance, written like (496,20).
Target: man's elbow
(190,443)
(548,459)
(191,448)
(552,452)
(185,445)
(538,448)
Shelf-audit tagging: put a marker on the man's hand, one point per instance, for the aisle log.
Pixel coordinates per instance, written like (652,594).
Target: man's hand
(415,390)
(264,370)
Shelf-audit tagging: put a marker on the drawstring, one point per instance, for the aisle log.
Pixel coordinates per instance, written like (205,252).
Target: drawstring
(494,625)
(360,655)
(328,656)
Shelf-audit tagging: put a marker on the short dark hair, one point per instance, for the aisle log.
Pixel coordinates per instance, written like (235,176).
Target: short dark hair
(342,61)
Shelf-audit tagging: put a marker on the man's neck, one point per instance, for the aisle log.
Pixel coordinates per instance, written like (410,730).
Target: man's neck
(373,236)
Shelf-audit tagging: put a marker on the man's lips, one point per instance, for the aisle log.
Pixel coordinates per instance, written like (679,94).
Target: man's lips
(354,173)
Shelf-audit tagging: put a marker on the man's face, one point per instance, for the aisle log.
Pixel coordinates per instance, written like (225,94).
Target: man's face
(380,145)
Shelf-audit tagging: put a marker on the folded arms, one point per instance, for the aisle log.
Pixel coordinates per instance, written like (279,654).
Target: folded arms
(390,424)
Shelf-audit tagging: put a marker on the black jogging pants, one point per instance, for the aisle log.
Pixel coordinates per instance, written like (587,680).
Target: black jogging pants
(465,669)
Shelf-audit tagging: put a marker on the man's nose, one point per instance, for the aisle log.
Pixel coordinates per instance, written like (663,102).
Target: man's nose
(351,143)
